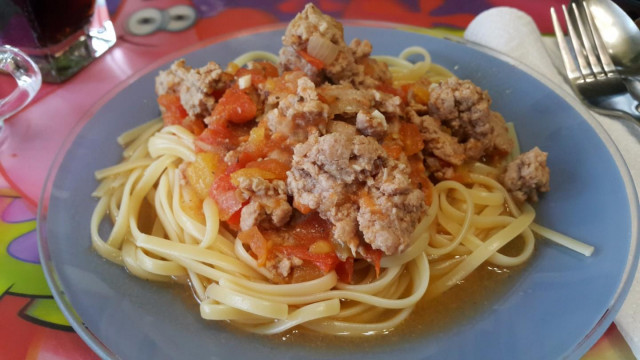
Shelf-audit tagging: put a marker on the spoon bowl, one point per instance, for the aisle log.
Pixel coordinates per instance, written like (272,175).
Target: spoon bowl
(620,35)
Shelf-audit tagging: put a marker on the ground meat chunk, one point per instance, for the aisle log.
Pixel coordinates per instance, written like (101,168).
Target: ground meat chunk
(390,105)
(319,179)
(418,97)
(299,114)
(360,49)
(312,22)
(461,104)
(267,202)
(169,81)
(464,108)
(291,60)
(282,86)
(397,207)
(350,64)
(283,265)
(502,142)
(345,101)
(437,168)
(436,141)
(371,73)
(328,171)
(527,175)
(194,86)
(337,126)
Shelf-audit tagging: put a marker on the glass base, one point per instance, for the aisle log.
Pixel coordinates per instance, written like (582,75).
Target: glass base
(57,66)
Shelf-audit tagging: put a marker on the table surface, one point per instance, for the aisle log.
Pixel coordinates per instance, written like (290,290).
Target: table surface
(32,326)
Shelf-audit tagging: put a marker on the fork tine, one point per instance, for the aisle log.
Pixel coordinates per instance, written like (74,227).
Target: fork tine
(587,41)
(579,51)
(567,59)
(607,63)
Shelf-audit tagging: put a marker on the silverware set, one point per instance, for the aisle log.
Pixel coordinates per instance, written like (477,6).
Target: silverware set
(605,82)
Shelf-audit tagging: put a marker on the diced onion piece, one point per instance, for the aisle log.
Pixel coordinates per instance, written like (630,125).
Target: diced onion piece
(322,49)
(204,146)
(320,247)
(378,116)
(244,81)
(379,120)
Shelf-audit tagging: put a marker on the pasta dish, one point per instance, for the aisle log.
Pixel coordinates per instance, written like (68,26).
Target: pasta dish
(322,187)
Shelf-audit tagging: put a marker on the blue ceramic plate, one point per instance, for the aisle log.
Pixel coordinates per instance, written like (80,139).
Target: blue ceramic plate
(559,305)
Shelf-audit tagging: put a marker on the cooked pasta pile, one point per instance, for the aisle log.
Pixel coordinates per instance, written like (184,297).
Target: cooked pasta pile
(465,226)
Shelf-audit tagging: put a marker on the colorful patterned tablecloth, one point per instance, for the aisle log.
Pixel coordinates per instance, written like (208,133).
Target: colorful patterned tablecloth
(31,325)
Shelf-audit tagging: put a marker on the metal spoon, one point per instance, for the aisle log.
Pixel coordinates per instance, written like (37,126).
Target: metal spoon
(621,37)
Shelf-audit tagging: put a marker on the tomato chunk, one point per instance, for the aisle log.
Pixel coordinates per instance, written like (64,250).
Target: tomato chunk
(235,106)
(313,61)
(325,261)
(250,173)
(421,94)
(344,270)
(258,244)
(301,207)
(389,89)
(275,167)
(267,68)
(393,147)
(313,228)
(411,138)
(234,220)
(195,126)
(373,256)
(201,172)
(419,177)
(309,234)
(224,193)
(260,72)
(218,135)
(172,110)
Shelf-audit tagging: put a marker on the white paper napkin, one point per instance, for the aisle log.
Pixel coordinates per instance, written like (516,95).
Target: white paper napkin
(514,33)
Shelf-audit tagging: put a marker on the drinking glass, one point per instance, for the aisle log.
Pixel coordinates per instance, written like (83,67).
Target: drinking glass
(60,36)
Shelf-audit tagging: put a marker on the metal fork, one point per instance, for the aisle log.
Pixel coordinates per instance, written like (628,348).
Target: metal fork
(595,80)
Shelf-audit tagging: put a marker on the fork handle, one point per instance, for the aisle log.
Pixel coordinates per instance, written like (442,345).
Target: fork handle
(633,85)
(634,106)
(622,104)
